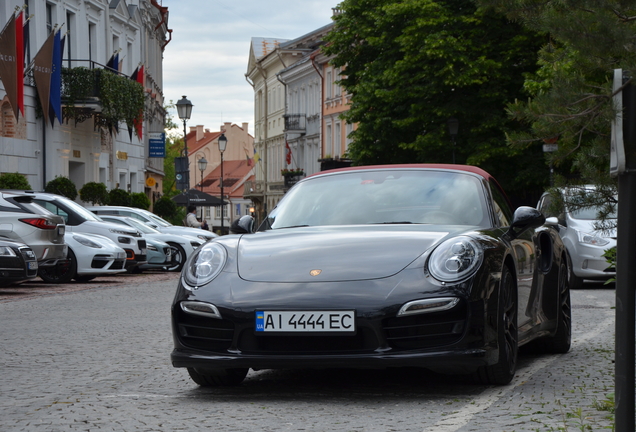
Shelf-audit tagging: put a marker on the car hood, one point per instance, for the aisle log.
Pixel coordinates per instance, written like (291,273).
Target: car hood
(587,226)
(335,253)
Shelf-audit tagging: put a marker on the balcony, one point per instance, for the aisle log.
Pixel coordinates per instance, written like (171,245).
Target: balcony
(295,123)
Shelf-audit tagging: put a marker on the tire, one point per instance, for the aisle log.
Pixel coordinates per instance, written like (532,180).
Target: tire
(503,371)
(178,258)
(574,281)
(561,341)
(218,377)
(84,278)
(60,273)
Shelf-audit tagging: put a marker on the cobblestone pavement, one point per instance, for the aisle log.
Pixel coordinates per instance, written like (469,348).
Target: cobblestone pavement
(95,357)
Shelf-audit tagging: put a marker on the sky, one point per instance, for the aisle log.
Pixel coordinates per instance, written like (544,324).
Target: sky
(206,60)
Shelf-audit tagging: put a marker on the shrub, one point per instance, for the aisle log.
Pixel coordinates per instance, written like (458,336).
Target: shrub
(14,181)
(94,193)
(167,209)
(62,186)
(139,200)
(119,197)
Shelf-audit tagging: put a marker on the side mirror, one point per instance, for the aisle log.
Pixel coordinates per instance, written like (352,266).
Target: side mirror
(525,218)
(243,225)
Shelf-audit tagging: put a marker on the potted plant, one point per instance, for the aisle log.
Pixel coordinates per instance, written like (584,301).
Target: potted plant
(292,176)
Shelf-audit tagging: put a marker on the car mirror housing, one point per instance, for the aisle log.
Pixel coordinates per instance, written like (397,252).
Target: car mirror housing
(525,218)
(243,225)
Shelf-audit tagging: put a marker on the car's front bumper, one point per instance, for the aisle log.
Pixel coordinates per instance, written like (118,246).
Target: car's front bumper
(460,340)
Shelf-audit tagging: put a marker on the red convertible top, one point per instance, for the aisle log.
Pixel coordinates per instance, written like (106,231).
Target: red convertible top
(468,168)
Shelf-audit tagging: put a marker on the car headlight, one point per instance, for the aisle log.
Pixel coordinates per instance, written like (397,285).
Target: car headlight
(203,237)
(7,251)
(151,247)
(591,239)
(455,259)
(86,242)
(205,265)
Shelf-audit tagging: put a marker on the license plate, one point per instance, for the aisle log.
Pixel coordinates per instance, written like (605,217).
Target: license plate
(306,321)
(33,265)
(60,230)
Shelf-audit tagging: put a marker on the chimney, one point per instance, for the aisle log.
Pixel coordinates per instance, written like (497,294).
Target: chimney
(245,126)
(200,134)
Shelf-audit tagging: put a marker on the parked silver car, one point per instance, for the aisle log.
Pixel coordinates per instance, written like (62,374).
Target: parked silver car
(153,220)
(22,220)
(584,243)
(183,245)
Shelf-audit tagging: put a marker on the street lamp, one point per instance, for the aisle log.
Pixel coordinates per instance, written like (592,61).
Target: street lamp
(453,127)
(222,145)
(184,109)
(203,163)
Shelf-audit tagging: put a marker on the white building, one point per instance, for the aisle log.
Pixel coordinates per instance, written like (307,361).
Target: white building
(79,148)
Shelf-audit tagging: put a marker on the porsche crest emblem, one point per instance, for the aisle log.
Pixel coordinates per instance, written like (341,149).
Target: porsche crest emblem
(315,272)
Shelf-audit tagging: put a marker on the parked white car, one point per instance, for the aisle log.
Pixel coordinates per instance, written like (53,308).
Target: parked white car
(89,256)
(80,220)
(153,220)
(183,245)
(585,244)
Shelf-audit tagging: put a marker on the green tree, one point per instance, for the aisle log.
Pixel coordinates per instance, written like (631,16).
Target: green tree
(119,197)
(14,181)
(411,65)
(139,200)
(571,93)
(94,193)
(167,209)
(62,186)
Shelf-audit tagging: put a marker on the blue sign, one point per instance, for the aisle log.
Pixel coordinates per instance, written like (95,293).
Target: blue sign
(157,144)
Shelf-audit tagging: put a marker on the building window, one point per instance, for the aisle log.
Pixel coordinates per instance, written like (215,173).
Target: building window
(337,140)
(50,9)
(328,85)
(70,27)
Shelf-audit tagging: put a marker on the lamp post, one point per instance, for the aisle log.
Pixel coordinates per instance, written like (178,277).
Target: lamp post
(184,109)
(222,145)
(203,163)
(453,127)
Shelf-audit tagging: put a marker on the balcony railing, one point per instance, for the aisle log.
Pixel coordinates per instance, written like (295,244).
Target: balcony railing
(295,123)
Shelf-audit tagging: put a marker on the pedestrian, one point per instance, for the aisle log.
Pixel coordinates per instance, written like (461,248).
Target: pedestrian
(191,218)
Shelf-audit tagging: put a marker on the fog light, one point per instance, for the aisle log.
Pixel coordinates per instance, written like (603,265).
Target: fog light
(428,306)
(200,308)
(585,264)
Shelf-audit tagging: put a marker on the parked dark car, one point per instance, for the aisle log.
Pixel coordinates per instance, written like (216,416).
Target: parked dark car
(374,267)
(17,263)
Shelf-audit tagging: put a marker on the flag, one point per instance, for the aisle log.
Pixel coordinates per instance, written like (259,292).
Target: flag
(8,64)
(42,73)
(250,162)
(257,157)
(55,96)
(19,56)
(288,155)
(113,63)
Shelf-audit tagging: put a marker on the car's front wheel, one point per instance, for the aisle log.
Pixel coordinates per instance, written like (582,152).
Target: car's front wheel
(560,342)
(504,370)
(218,377)
(178,258)
(63,272)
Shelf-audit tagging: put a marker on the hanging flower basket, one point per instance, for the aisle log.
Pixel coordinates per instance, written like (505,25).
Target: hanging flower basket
(292,172)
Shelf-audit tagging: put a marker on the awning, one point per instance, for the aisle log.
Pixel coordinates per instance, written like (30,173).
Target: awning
(197,198)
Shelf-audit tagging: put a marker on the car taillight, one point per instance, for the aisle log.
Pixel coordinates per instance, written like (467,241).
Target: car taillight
(40,223)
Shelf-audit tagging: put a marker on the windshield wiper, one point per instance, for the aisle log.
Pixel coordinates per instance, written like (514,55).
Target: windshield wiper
(292,226)
(396,222)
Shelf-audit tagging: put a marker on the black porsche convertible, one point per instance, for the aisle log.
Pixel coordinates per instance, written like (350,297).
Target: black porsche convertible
(374,267)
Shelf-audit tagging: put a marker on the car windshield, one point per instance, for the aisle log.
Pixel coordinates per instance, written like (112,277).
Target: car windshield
(399,196)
